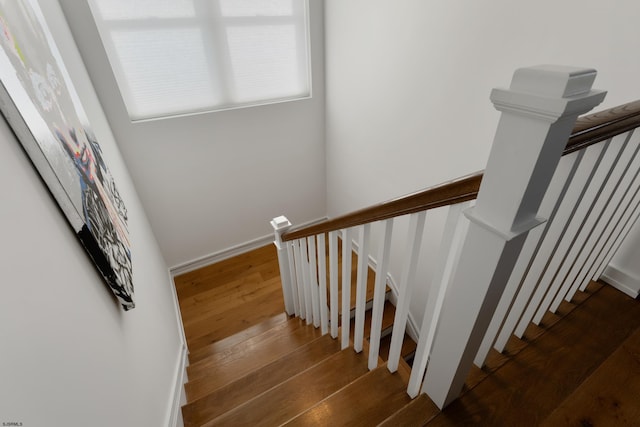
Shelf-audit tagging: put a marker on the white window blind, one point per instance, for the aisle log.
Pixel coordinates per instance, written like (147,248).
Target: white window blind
(173,57)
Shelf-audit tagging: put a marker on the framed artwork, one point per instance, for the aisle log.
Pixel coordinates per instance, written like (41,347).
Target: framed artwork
(39,102)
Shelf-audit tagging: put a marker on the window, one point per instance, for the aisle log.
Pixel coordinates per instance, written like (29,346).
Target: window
(173,57)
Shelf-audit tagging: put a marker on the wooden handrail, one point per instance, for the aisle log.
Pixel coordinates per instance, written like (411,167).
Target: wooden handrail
(448,193)
(600,126)
(589,130)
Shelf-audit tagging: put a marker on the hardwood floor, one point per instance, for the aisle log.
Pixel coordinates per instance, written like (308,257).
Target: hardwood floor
(230,296)
(551,363)
(580,367)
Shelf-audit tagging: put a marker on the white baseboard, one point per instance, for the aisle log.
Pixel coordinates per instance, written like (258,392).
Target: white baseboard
(206,260)
(622,281)
(178,396)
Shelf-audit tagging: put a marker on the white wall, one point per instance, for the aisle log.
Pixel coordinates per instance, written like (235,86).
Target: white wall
(70,355)
(408,83)
(623,271)
(212,181)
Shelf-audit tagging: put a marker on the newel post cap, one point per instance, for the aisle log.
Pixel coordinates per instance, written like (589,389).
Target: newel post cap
(549,92)
(280,224)
(557,81)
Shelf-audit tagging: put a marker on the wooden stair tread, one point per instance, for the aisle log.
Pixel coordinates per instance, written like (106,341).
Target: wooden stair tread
(365,402)
(525,390)
(407,350)
(609,396)
(388,315)
(266,327)
(220,325)
(416,413)
(297,394)
(371,277)
(216,371)
(245,348)
(251,385)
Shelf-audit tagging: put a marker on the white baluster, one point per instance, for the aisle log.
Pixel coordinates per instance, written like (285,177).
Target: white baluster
(614,227)
(539,112)
(601,216)
(313,281)
(361,286)
(382,271)
(558,243)
(405,287)
(297,255)
(548,209)
(346,286)
(448,256)
(554,231)
(292,275)
(308,291)
(280,225)
(333,282)
(572,239)
(322,286)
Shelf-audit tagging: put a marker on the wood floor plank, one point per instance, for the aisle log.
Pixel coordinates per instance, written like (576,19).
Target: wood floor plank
(610,396)
(416,413)
(212,295)
(365,402)
(228,322)
(206,376)
(259,381)
(210,276)
(244,335)
(299,393)
(247,293)
(526,389)
(243,349)
(515,345)
(263,260)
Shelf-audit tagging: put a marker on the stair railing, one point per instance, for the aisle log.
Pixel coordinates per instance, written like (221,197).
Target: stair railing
(551,210)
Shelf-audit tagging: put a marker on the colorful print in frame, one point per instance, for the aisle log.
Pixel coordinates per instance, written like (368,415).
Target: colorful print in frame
(38,100)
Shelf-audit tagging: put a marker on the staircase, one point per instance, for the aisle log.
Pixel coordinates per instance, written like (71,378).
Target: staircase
(573,368)
(514,322)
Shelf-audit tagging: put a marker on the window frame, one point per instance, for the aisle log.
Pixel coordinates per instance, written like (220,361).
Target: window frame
(214,40)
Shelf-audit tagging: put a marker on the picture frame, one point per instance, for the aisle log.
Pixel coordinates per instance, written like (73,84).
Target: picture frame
(40,103)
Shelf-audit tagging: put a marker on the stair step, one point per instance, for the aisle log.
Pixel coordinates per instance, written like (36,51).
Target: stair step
(226,343)
(253,384)
(367,401)
(223,324)
(220,325)
(243,349)
(549,369)
(416,413)
(297,394)
(218,370)
(406,352)
(388,315)
(609,396)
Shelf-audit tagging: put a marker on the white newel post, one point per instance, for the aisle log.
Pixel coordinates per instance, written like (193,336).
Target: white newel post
(280,225)
(538,113)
